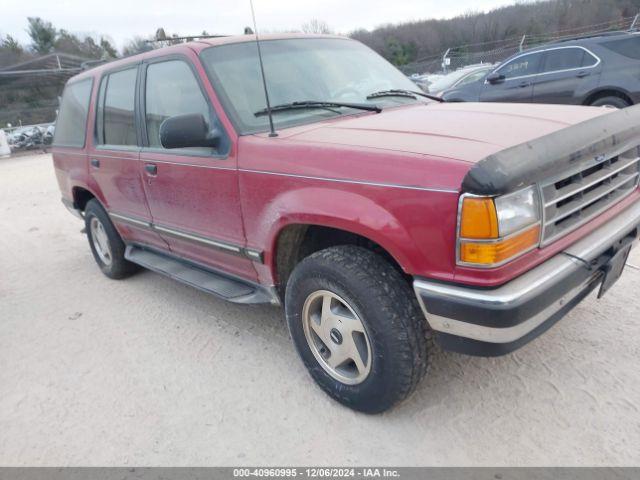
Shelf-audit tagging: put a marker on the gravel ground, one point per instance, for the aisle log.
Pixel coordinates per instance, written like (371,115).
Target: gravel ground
(150,372)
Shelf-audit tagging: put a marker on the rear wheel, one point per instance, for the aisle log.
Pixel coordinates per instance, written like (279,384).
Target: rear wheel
(105,242)
(357,326)
(611,101)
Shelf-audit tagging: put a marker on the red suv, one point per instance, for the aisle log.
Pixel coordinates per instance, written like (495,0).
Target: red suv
(381,219)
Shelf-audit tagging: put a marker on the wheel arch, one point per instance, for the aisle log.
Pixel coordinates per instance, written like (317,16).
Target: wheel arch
(297,241)
(602,92)
(312,225)
(81,196)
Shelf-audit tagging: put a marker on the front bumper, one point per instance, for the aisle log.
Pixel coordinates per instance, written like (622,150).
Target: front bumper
(492,322)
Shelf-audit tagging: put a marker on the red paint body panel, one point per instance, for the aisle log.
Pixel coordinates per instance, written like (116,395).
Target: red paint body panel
(392,177)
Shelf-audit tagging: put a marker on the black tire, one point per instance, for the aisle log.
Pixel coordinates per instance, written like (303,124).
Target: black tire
(118,267)
(611,101)
(387,307)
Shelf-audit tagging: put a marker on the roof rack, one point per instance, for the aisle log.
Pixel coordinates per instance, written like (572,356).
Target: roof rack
(188,38)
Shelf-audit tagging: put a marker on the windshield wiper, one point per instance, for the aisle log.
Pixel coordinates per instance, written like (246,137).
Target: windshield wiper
(318,104)
(403,93)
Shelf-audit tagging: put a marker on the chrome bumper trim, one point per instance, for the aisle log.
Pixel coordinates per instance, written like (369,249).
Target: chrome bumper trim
(528,286)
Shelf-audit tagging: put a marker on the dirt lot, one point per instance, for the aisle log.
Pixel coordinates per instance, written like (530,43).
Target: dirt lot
(149,372)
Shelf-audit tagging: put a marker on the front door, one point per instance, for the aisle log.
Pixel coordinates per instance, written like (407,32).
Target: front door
(192,193)
(114,158)
(516,80)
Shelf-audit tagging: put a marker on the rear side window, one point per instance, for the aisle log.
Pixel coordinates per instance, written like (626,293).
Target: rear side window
(71,125)
(115,123)
(563,59)
(525,65)
(172,89)
(628,47)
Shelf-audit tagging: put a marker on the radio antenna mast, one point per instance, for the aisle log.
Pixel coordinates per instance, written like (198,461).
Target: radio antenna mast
(272,131)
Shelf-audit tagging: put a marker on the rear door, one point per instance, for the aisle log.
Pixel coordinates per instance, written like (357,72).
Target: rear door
(193,193)
(564,71)
(517,84)
(114,159)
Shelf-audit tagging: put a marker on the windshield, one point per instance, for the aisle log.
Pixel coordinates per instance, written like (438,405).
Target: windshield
(301,69)
(449,80)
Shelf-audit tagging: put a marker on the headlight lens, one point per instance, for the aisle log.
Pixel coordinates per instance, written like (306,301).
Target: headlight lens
(493,231)
(517,210)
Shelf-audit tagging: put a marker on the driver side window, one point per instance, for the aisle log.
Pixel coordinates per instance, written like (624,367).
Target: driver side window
(524,65)
(172,89)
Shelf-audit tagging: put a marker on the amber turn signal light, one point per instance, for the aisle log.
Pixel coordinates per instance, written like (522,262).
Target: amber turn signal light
(478,218)
(495,253)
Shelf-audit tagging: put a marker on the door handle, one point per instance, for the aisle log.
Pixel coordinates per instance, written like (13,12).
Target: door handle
(524,84)
(95,163)
(151,168)
(582,74)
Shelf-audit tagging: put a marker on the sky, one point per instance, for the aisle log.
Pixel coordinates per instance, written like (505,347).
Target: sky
(121,20)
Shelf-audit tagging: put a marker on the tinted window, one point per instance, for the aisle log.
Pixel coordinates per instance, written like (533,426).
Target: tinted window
(115,119)
(172,89)
(524,65)
(563,59)
(589,60)
(628,47)
(71,125)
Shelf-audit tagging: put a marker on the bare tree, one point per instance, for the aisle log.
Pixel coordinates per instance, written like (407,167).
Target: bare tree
(316,26)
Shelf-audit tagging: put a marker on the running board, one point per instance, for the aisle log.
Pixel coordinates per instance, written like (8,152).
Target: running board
(218,284)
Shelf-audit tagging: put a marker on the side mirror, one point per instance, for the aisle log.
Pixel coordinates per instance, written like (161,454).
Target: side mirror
(495,77)
(191,130)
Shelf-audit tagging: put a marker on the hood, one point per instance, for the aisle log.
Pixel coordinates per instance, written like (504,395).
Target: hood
(463,131)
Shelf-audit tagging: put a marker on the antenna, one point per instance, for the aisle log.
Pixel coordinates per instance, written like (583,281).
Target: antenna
(272,132)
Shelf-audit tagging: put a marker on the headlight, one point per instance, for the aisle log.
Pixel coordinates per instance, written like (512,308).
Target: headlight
(493,231)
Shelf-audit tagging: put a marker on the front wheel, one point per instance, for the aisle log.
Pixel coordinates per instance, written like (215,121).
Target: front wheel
(357,326)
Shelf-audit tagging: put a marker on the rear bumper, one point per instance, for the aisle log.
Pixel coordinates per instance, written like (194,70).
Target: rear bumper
(492,322)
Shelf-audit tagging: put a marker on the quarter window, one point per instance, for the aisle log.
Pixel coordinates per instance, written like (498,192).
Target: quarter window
(525,65)
(115,120)
(172,89)
(71,125)
(628,47)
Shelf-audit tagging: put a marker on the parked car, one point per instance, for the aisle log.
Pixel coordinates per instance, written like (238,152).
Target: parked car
(598,70)
(460,78)
(377,217)
(421,80)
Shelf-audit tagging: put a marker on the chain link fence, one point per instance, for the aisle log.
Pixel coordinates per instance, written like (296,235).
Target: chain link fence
(497,51)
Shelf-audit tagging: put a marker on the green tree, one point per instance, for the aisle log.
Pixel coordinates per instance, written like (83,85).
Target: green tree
(108,48)
(43,35)
(136,45)
(10,44)
(11,51)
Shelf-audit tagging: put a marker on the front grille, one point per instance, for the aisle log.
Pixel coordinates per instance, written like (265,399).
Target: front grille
(576,197)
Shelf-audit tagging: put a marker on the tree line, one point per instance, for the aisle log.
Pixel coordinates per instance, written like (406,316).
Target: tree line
(412,41)
(400,43)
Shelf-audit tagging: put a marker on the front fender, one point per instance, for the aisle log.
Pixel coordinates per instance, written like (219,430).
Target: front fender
(416,227)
